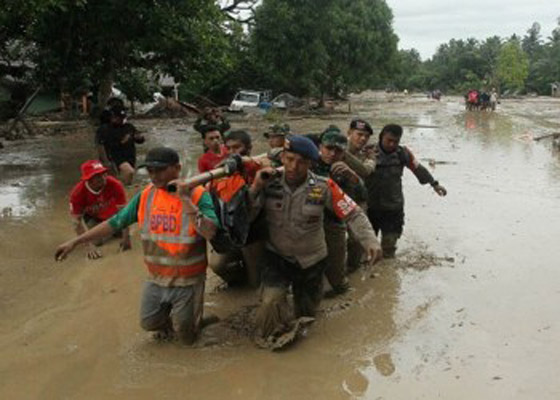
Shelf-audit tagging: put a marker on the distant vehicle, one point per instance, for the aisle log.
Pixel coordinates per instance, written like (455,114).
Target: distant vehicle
(285,101)
(250,99)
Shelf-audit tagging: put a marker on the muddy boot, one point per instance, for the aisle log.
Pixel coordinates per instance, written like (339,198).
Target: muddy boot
(273,314)
(389,244)
(338,289)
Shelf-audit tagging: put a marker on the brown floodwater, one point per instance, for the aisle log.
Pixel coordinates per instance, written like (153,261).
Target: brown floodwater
(469,309)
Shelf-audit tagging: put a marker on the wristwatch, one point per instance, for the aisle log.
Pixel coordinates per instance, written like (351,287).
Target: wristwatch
(434,183)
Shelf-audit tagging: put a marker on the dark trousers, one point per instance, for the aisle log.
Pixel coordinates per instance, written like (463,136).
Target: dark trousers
(278,274)
(390,223)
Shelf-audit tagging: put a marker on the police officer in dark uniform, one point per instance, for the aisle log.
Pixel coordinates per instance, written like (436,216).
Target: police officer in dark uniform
(294,202)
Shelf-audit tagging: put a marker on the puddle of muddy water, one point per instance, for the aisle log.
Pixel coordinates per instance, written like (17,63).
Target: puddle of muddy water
(467,310)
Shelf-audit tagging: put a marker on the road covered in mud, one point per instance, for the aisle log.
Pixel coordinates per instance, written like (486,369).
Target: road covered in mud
(467,310)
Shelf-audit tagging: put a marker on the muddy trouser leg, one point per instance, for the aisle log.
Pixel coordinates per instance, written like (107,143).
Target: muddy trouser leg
(308,290)
(154,310)
(389,243)
(252,253)
(273,314)
(335,236)
(186,313)
(176,309)
(390,223)
(224,265)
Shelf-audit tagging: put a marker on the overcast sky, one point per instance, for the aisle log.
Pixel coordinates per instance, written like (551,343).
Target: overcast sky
(425,24)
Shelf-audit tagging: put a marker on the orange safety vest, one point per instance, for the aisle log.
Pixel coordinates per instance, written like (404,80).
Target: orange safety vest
(172,247)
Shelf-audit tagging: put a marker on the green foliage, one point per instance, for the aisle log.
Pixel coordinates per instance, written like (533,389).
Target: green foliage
(529,64)
(137,84)
(513,65)
(324,47)
(74,42)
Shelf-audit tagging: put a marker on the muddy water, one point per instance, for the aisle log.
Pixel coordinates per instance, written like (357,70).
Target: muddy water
(468,310)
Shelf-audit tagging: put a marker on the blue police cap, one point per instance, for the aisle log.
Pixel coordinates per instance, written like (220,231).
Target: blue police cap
(303,146)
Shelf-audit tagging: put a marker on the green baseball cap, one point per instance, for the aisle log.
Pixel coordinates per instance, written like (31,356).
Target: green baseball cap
(332,136)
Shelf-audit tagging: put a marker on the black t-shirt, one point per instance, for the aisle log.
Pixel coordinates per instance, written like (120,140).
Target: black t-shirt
(119,142)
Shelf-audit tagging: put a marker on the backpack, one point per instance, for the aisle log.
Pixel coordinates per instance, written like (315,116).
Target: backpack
(230,197)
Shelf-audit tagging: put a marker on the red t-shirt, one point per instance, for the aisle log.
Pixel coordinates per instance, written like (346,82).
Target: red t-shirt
(102,205)
(209,160)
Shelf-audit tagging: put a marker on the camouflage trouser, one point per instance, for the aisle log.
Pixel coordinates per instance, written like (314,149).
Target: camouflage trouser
(228,266)
(278,275)
(178,309)
(335,237)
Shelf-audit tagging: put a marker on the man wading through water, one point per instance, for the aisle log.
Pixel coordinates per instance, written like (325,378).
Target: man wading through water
(385,194)
(294,202)
(173,228)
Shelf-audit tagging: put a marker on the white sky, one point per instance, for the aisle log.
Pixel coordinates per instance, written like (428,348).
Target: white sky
(425,24)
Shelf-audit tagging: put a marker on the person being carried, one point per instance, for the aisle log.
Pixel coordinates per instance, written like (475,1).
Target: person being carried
(174,226)
(332,146)
(116,144)
(294,202)
(385,194)
(215,151)
(96,198)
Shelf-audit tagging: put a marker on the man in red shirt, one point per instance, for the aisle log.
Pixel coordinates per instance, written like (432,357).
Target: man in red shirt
(215,150)
(96,198)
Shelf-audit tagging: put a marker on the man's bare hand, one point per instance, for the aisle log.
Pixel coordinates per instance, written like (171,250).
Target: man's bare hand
(374,253)
(94,253)
(64,249)
(263,175)
(341,168)
(440,190)
(125,243)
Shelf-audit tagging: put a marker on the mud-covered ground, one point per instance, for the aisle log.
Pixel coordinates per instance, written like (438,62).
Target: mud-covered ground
(468,310)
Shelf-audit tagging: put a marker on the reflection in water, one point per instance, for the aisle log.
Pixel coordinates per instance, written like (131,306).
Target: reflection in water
(23,197)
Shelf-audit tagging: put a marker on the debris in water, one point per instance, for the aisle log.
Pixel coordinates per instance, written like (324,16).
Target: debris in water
(279,340)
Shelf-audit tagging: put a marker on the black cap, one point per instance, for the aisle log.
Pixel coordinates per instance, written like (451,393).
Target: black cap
(361,125)
(159,157)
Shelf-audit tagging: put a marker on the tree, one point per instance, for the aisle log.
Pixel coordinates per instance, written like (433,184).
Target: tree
(77,41)
(324,47)
(513,65)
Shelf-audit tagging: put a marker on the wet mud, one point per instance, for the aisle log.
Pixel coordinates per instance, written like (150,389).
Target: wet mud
(467,310)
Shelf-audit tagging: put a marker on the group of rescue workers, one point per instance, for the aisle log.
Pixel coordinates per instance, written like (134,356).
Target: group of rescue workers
(311,208)
(481,100)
